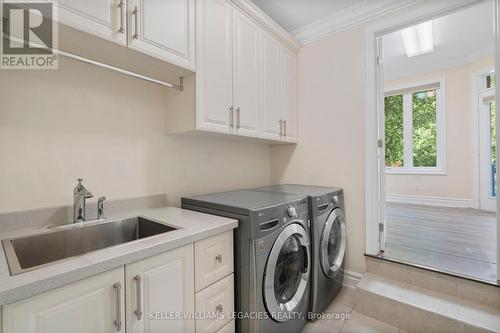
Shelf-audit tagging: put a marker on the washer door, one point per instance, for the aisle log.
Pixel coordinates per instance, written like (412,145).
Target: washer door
(287,272)
(333,243)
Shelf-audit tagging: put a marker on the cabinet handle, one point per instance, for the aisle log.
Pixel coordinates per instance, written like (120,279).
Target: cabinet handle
(281,127)
(218,308)
(118,297)
(284,127)
(231,116)
(121,5)
(238,117)
(219,258)
(138,296)
(135,12)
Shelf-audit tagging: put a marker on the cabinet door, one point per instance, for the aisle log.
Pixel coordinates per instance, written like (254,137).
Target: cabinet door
(214,65)
(159,286)
(288,93)
(163,29)
(92,305)
(246,75)
(270,86)
(102,18)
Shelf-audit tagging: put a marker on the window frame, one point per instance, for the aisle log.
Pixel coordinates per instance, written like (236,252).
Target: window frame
(440,168)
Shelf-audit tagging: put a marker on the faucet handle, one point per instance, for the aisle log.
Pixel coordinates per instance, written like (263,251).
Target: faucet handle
(100,207)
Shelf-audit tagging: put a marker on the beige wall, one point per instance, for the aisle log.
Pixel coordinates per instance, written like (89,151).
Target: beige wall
(331,139)
(459,178)
(80,121)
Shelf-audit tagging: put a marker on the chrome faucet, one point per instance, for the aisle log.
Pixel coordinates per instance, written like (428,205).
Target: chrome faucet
(80,194)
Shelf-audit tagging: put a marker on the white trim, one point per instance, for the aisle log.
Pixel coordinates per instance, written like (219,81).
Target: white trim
(350,17)
(267,23)
(415,171)
(476,85)
(497,87)
(351,279)
(486,201)
(407,130)
(430,201)
(420,12)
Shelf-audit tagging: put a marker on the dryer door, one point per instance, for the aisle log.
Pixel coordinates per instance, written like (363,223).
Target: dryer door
(333,243)
(287,272)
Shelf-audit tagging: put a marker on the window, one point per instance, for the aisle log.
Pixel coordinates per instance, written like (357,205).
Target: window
(414,128)
(490,81)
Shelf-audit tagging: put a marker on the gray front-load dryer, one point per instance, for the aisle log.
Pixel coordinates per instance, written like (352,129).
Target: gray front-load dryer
(328,240)
(272,256)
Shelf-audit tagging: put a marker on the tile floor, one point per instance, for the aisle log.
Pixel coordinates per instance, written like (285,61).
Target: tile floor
(344,304)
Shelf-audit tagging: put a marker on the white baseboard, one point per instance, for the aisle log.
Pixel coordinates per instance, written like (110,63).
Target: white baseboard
(431,201)
(351,279)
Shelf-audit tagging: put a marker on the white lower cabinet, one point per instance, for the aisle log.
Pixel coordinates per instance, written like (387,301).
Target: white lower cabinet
(160,290)
(217,303)
(92,305)
(228,328)
(156,294)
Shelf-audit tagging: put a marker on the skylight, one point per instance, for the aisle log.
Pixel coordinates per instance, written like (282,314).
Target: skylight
(418,39)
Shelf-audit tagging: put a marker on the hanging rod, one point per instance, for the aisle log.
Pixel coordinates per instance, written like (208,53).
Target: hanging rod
(179,86)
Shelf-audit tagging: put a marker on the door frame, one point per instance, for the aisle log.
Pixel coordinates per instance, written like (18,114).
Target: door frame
(480,106)
(477,78)
(420,12)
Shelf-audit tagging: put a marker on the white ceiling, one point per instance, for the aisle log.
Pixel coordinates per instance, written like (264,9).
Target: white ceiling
(459,38)
(295,14)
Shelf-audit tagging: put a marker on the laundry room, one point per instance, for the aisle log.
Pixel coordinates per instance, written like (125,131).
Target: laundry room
(249,166)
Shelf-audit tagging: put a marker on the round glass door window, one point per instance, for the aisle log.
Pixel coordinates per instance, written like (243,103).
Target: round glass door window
(333,243)
(287,272)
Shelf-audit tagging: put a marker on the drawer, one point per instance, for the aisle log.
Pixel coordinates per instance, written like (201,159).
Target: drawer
(216,303)
(213,259)
(229,328)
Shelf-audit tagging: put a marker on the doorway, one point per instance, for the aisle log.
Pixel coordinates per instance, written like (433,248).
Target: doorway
(426,178)
(487,146)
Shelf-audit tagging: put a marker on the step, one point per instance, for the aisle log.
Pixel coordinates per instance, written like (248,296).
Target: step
(478,292)
(415,309)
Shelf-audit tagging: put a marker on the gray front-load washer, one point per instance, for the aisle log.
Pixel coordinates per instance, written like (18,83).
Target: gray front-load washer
(328,240)
(272,256)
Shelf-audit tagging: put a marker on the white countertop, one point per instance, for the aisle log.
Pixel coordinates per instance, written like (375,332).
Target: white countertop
(193,226)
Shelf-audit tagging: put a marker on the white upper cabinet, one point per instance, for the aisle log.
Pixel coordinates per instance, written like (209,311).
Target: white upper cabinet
(271,119)
(163,29)
(214,65)
(164,284)
(245,82)
(246,75)
(103,18)
(92,305)
(288,94)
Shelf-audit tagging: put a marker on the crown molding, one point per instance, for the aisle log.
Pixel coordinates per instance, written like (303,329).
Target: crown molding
(267,23)
(348,18)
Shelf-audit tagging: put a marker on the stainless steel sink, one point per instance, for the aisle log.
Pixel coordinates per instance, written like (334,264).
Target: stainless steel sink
(35,251)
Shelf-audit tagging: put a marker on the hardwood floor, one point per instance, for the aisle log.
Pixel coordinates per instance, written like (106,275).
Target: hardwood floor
(457,240)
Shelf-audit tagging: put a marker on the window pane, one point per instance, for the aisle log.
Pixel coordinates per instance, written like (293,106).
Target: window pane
(424,129)
(394,131)
(490,80)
